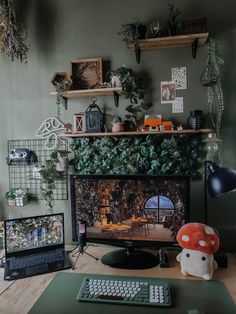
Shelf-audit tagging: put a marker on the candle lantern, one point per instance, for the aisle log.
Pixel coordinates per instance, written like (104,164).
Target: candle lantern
(93,118)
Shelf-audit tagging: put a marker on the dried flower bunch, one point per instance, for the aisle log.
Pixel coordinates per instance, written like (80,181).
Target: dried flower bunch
(13,38)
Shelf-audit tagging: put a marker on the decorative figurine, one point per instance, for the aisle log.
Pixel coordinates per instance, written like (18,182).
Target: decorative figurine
(68,128)
(199,243)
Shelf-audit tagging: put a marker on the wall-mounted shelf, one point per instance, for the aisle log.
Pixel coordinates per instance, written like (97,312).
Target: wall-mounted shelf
(193,40)
(108,91)
(174,132)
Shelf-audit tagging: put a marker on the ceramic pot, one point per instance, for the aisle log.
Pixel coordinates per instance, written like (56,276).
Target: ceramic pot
(118,127)
(196,119)
(62,164)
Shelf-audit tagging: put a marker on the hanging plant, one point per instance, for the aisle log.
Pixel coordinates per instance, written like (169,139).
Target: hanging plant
(61,87)
(132,90)
(211,79)
(13,39)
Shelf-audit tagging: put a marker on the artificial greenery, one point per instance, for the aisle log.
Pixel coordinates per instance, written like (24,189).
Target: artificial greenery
(145,154)
(13,39)
(131,32)
(11,194)
(132,90)
(172,20)
(48,177)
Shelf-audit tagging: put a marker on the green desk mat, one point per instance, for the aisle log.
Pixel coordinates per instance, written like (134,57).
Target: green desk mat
(207,296)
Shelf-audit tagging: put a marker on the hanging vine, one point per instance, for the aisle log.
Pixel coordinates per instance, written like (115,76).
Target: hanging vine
(13,38)
(215,97)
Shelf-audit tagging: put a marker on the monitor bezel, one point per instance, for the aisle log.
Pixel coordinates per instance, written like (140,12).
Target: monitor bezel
(128,243)
(39,249)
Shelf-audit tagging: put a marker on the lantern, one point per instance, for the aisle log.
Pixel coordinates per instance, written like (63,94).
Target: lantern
(93,118)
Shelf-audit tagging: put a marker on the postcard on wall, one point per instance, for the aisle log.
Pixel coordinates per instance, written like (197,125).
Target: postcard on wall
(179,76)
(178,105)
(168,92)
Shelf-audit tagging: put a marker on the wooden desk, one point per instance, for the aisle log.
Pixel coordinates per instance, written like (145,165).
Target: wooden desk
(22,294)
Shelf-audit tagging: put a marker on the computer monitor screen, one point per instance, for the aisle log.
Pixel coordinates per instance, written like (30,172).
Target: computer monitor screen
(130,211)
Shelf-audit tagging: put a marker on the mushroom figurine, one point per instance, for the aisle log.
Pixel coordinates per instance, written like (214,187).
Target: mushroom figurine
(199,243)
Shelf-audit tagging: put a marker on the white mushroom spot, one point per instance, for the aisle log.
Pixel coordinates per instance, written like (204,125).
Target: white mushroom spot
(212,242)
(209,230)
(202,243)
(185,238)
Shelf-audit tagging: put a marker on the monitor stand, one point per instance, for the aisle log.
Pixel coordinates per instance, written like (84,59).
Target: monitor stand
(130,258)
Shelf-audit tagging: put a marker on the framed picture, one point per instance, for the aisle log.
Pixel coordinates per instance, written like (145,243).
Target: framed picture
(86,73)
(168,92)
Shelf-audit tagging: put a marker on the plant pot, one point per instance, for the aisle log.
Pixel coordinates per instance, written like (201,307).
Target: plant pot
(115,81)
(118,127)
(62,165)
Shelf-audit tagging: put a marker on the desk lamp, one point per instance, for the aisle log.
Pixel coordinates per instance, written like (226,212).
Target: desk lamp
(219,181)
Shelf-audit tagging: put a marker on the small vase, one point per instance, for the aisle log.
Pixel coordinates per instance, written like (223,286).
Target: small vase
(115,81)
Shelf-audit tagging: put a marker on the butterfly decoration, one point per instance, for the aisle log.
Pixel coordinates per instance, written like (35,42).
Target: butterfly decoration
(48,130)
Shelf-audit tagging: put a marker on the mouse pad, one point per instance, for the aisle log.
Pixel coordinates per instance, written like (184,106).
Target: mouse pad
(206,296)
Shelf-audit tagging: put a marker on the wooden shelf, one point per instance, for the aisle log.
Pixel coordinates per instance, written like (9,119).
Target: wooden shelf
(175,132)
(170,41)
(108,91)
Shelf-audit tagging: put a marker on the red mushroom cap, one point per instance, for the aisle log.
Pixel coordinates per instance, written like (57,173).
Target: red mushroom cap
(199,237)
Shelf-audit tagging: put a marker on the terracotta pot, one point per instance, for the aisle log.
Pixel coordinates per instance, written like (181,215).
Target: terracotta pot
(118,127)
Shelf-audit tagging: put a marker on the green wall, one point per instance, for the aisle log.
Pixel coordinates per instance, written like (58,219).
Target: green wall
(64,30)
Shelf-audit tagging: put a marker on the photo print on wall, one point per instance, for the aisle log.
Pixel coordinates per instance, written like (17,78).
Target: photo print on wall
(178,105)
(168,92)
(179,76)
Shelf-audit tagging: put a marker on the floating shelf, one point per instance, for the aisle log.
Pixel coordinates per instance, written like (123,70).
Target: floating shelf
(170,42)
(108,91)
(174,132)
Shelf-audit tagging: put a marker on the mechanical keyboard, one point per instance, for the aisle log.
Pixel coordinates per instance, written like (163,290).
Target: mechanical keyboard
(125,290)
(36,259)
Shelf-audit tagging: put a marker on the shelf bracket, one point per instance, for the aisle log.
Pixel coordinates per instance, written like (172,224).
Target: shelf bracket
(194,47)
(116,98)
(137,53)
(65,102)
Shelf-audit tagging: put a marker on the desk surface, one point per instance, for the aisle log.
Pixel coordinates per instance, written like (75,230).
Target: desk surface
(23,293)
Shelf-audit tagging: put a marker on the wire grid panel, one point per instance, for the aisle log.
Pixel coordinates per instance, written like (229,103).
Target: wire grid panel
(21,172)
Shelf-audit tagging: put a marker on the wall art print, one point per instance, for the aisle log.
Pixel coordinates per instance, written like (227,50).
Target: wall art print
(179,76)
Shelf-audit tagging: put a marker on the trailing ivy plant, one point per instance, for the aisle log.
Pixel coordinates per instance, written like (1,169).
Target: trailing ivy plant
(150,154)
(61,87)
(13,39)
(133,91)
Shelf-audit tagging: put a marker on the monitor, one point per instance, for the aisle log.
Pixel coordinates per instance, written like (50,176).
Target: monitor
(131,212)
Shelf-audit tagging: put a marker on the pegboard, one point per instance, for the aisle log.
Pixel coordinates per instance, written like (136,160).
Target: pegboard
(21,173)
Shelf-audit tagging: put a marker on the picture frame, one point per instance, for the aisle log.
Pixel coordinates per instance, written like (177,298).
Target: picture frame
(86,73)
(168,92)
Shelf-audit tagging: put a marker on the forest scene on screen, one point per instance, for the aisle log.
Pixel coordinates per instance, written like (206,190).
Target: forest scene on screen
(131,209)
(33,233)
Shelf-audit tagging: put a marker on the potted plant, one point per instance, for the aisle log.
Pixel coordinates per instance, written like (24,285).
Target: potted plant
(13,39)
(11,197)
(132,32)
(48,176)
(131,90)
(172,20)
(61,160)
(211,79)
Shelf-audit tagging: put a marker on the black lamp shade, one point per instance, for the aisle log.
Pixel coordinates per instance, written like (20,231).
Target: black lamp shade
(221,180)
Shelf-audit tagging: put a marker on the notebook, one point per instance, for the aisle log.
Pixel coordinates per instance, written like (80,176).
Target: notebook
(34,245)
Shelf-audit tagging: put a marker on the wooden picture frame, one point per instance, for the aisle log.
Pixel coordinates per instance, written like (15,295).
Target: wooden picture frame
(86,73)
